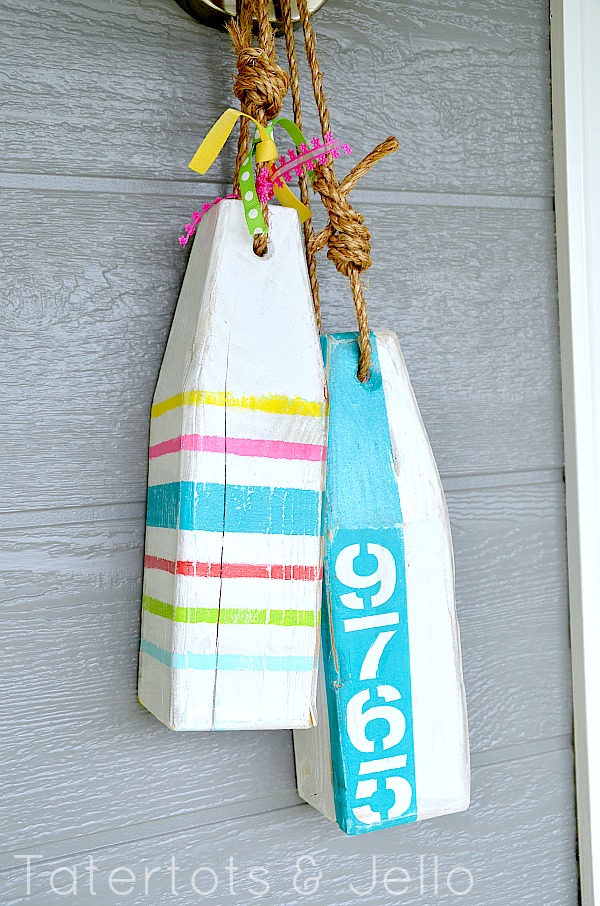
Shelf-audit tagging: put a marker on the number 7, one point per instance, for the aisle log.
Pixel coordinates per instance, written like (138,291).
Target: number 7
(370,665)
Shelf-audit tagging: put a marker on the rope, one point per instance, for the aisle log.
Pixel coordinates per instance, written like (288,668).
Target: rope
(260,86)
(311,257)
(349,239)
(245,37)
(320,240)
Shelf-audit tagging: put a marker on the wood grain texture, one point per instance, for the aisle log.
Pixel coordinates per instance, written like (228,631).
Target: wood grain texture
(91,288)
(391,644)
(70,604)
(507,541)
(238,440)
(465,86)
(516,840)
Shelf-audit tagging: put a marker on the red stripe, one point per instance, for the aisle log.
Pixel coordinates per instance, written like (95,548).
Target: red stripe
(234,570)
(159,563)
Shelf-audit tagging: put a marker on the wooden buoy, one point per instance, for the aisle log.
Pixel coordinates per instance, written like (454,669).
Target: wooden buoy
(391,744)
(233,559)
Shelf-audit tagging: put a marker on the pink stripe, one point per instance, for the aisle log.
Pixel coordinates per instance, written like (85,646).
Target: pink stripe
(241,446)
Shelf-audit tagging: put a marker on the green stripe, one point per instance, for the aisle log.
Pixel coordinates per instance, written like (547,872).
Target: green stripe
(230,615)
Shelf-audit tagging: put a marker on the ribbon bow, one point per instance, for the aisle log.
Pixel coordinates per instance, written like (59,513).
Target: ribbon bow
(264,150)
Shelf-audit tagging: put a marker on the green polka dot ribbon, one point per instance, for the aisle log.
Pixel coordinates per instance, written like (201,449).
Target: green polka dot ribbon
(252,211)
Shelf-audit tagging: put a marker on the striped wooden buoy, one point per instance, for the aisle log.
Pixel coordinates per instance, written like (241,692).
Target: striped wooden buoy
(233,559)
(391,745)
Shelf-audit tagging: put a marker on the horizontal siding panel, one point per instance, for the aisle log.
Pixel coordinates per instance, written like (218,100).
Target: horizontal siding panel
(472,296)
(466,89)
(511,586)
(86,756)
(91,281)
(517,840)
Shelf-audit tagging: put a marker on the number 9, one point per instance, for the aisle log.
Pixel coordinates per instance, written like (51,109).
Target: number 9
(385,573)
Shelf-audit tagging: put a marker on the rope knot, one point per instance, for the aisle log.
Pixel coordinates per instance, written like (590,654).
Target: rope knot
(261,84)
(349,240)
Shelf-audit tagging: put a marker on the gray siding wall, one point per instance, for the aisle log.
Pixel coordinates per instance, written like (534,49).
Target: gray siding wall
(103,105)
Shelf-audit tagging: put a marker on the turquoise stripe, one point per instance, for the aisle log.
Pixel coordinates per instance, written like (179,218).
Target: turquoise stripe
(192,661)
(274,511)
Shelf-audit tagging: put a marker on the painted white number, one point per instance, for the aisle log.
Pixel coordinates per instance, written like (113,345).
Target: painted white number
(385,573)
(370,665)
(357,720)
(365,789)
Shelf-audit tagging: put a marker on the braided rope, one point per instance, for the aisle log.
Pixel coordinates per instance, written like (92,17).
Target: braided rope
(260,86)
(311,257)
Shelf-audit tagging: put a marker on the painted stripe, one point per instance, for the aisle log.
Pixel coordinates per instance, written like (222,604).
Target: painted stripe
(201,638)
(192,661)
(240,446)
(229,615)
(236,594)
(284,405)
(234,570)
(199,443)
(151,562)
(191,505)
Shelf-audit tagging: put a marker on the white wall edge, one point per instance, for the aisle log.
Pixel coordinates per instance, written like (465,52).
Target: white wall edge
(575,37)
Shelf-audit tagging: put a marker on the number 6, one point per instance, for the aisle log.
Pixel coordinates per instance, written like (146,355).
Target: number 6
(357,720)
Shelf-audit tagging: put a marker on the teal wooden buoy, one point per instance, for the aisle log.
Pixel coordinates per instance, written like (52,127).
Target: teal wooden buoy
(391,746)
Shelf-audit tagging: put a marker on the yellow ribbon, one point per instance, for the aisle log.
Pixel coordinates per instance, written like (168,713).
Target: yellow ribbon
(265,153)
(210,148)
(287,198)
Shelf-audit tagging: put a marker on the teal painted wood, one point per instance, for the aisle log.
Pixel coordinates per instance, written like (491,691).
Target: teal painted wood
(365,620)
(397,749)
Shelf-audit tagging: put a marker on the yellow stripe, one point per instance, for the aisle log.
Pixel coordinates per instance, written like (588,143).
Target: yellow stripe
(283,405)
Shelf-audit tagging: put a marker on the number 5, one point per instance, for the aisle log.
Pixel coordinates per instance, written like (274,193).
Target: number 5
(366,789)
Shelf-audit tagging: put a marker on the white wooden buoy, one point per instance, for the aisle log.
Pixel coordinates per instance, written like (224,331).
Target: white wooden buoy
(391,745)
(233,558)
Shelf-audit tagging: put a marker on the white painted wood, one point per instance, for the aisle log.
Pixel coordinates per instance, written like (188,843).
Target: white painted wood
(439,706)
(233,557)
(576,102)
(312,753)
(432,697)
